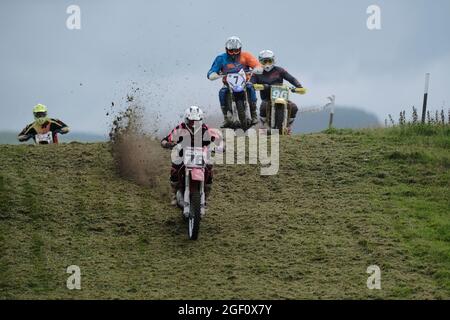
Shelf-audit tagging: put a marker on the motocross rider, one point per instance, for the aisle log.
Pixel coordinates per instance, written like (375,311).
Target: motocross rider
(193,120)
(43,124)
(233,60)
(273,75)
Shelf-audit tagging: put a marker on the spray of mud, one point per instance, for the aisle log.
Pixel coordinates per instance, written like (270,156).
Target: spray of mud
(136,149)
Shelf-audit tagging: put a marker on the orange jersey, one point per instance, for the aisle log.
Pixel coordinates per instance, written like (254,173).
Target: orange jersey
(247,59)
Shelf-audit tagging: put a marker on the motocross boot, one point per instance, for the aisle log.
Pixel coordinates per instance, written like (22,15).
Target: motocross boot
(253,113)
(173,195)
(226,122)
(290,123)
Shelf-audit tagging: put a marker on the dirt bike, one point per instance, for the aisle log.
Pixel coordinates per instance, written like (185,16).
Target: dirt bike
(237,101)
(191,195)
(277,111)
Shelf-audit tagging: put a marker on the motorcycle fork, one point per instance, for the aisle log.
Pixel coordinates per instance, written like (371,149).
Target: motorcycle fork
(269,108)
(187,193)
(233,109)
(285,120)
(287,112)
(247,104)
(272,115)
(202,195)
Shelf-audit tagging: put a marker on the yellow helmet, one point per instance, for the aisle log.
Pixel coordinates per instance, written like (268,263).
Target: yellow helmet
(39,108)
(40,113)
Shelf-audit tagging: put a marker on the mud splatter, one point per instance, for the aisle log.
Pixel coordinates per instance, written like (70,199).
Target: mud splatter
(136,149)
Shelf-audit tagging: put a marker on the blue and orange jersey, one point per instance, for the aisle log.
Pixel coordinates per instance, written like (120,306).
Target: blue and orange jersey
(225,64)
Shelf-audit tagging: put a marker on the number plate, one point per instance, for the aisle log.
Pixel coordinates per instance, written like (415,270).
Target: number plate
(193,157)
(280,92)
(44,137)
(237,81)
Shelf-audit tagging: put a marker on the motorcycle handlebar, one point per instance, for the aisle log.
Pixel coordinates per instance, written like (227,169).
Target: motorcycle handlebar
(260,87)
(179,146)
(249,73)
(299,90)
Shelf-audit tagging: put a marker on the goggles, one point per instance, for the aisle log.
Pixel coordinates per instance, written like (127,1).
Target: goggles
(193,123)
(40,114)
(234,51)
(266,61)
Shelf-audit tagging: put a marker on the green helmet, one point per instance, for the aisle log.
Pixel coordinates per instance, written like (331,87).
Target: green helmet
(40,113)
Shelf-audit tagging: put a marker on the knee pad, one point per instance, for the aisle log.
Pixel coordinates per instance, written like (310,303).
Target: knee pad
(224,110)
(294,109)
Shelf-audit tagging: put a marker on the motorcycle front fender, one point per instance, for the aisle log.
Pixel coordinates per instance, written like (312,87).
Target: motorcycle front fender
(280,101)
(198,174)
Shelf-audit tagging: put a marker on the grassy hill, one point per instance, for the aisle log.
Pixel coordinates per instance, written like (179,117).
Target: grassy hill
(342,201)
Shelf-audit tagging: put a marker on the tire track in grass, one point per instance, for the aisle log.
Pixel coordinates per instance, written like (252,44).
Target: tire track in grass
(40,278)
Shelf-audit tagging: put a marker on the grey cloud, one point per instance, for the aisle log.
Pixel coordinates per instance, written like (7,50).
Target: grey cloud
(169,46)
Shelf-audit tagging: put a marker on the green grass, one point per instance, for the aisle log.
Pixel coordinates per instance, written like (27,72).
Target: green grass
(343,200)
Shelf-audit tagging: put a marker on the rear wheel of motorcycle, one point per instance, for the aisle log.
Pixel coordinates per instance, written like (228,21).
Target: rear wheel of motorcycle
(194,215)
(240,106)
(279,118)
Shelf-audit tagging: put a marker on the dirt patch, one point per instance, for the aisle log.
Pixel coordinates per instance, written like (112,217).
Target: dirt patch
(137,151)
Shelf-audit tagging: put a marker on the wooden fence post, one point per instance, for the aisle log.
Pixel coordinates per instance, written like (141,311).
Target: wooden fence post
(332,104)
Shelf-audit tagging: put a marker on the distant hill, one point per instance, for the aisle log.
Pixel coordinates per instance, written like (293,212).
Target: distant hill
(344,117)
(309,122)
(10,137)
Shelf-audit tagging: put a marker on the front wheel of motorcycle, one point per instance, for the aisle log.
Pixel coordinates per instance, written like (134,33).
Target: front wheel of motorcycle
(240,106)
(279,118)
(195,212)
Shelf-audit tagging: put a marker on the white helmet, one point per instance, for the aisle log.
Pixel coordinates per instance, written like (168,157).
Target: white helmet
(267,59)
(233,45)
(193,113)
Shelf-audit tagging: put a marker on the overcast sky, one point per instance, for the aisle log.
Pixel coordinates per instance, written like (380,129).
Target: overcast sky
(166,48)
